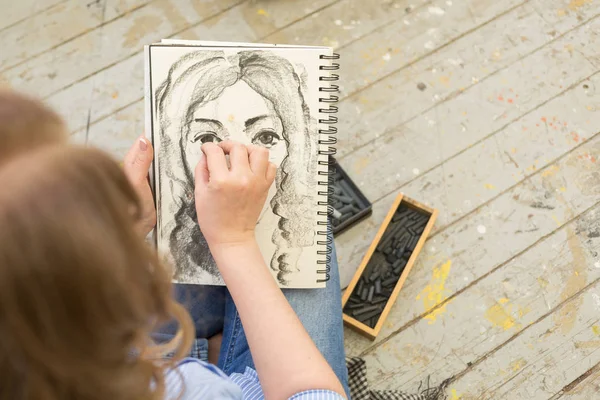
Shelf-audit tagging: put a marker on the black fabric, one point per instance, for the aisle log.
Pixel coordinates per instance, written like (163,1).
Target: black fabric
(359,386)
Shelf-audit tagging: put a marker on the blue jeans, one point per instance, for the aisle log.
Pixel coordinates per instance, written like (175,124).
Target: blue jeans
(320,311)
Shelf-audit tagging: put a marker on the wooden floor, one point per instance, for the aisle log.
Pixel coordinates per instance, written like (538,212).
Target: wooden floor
(485,109)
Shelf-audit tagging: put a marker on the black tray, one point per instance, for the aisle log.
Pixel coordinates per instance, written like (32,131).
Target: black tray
(361,206)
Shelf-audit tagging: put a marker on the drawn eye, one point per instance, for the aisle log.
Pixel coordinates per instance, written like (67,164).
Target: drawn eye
(206,138)
(266,139)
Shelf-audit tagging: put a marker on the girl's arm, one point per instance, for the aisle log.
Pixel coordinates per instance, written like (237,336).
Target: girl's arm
(229,199)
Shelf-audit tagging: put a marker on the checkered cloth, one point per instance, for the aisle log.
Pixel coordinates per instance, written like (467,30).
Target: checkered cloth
(359,387)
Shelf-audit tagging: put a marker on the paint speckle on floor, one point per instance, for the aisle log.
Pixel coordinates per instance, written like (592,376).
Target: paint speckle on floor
(499,314)
(415,171)
(435,292)
(338,22)
(386,57)
(421,86)
(481,229)
(436,11)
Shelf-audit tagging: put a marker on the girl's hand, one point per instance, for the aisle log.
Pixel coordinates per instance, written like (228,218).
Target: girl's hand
(229,198)
(136,165)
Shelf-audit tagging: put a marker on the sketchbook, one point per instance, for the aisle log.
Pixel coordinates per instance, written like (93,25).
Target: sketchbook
(281,97)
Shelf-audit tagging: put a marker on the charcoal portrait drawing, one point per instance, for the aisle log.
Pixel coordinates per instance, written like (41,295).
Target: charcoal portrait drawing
(254,97)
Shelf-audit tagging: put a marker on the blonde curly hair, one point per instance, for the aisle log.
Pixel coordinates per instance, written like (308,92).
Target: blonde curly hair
(80,290)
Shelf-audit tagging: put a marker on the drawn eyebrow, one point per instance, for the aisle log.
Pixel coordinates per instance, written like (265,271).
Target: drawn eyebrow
(209,121)
(254,120)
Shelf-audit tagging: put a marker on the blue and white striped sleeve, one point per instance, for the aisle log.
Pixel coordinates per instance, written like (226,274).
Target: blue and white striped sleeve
(317,395)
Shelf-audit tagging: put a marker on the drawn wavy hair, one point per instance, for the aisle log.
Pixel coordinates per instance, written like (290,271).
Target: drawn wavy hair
(199,77)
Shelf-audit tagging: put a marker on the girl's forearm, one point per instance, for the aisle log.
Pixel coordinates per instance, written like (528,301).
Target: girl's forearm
(286,359)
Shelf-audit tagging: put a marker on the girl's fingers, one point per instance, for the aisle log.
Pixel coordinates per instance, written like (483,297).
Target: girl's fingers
(259,159)
(271,173)
(137,161)
(238,155)
(201,171)
(215,160)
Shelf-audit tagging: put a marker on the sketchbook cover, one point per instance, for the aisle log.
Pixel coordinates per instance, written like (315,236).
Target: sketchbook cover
(262,94)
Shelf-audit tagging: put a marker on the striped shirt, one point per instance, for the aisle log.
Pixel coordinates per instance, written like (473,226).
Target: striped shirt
(196,379)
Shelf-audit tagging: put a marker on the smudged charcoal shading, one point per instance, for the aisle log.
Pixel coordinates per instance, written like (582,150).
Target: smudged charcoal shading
(195,79)
(387,263)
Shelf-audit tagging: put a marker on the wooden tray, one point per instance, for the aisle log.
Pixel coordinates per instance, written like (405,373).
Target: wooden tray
(372,332)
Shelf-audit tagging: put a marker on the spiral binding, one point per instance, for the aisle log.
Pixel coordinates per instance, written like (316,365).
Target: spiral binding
(327,140)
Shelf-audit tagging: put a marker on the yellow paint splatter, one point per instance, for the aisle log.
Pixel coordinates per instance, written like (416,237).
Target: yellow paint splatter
(518,364)
(543,282)
(562,189)
(231,117)
(489,186)
(434,293)
(596,330)
(361,164)
(454,395)
(500,314)
(566,317)
(561,12)
(445,80)
(513,150)
(575,4)
(550,171)
(261,11)
(555,218)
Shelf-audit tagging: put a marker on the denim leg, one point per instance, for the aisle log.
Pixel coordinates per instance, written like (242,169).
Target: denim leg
(206,305)
(319,310)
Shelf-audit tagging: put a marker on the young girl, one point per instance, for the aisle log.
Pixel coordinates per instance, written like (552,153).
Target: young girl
(81,292)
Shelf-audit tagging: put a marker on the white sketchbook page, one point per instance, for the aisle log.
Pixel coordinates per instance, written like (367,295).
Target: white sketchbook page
(196,94)
(208,43)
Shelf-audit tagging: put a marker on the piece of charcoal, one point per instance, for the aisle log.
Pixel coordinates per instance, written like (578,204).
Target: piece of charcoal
(353,299)
(345,209)
(387,238)
(413,243)
(398,263)
(390,281)
(344,199)
(367,308)
(337,204)
(367,316)
(346,189)
(364,294)
(375,274)
(355,210)
(336,214)
(379,299)
(391,258)
(371,293)
(336,189)
(400,251)
(351,306)
(378,286)
(399,269)
(361,285)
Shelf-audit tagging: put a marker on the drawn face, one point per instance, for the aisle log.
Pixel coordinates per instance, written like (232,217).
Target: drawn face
(239,114)
(242,115)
